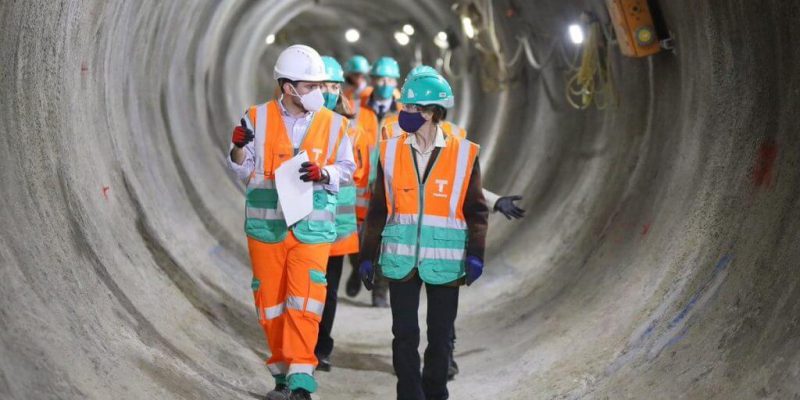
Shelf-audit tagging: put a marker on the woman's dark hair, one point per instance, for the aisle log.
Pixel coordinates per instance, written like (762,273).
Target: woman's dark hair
(439,112)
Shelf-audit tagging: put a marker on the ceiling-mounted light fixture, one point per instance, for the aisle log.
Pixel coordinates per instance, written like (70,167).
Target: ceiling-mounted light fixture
(401,38)
(270,39)
(576,33)
(469,29)
(352,35)
(408,29)
(440,40)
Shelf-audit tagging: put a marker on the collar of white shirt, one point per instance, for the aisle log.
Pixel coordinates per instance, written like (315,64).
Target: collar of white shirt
(438,141)
(285,112)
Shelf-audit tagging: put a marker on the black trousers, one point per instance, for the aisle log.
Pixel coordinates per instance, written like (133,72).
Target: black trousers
(442,310)
(324,340)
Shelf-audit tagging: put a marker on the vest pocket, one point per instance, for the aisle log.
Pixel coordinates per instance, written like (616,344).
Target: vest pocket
(396,258)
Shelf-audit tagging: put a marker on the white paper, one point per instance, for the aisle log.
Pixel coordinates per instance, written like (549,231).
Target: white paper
(295,196)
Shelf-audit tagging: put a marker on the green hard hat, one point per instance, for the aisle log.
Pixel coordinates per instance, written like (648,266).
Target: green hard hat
(427,88)
(357,64)
(420,69)
(385,67)
(333,69)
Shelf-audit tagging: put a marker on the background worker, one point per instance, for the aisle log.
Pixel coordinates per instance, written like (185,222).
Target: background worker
(378,104)
(289,262)
(503,204)
(426,223)
(356,76)
(347,219)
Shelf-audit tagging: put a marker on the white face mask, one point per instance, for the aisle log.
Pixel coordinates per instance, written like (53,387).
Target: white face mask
(311,101)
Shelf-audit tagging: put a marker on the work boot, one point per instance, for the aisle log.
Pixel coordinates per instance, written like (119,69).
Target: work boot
(379,298)
(281,392)
(452,369)
(353,285)
(323,363)
(300,394)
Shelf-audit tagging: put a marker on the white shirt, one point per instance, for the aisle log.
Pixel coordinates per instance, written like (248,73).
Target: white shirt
(340,172)
(423,156)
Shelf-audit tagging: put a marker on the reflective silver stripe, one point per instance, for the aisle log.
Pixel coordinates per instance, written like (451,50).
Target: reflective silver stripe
(388,171)
(430,253)
(348,209)
(264,213)
(295,302)
(398,249)
(461,172)
(442,253)
(274,311)
(362,202)
(348,184)
(362,191)
(301,369)
(258,142)
(404,219)
(443,222)
(277,368)
(333,135)
(315,307)
(321,215)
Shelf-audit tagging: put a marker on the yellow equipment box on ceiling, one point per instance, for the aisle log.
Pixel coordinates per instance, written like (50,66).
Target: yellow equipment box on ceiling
(633,23)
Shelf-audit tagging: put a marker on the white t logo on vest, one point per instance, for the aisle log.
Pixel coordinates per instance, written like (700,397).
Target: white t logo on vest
(316,152)
(441,183)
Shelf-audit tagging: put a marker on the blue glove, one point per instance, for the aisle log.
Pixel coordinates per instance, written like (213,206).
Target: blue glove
(474,269)
(367,273)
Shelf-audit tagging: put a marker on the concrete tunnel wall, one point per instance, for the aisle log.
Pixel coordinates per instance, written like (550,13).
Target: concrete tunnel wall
(658,258)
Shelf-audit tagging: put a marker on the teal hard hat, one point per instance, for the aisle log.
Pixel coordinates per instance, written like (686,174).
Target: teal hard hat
(421,69)
(385,67)
(357,64)
(333,69)
(427,88)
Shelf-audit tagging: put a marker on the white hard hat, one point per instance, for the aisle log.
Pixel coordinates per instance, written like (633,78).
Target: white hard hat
(300,63)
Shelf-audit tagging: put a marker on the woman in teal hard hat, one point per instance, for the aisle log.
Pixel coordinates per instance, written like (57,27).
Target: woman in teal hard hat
(426,224)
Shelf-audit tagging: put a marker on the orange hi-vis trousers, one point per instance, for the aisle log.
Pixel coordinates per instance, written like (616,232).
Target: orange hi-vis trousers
(289,291)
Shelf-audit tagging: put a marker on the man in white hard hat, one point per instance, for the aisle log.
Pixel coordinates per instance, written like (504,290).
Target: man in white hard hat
(289,262)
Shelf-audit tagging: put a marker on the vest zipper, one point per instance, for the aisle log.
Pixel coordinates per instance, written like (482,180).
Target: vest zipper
(422,185)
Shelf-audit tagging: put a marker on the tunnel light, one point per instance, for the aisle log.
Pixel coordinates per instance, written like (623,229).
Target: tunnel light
(270,39)
(469,30)
(352,35)
(441,40)
(402,38)
(576,33)
(408,29)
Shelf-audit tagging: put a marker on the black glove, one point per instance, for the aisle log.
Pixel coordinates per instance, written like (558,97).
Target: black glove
(506,206)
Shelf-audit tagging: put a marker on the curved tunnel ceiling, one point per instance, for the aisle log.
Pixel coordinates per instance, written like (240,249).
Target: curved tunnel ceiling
(658,257)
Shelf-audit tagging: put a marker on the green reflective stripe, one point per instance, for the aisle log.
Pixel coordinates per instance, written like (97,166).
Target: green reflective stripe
(318,277)
(255,284)
(300,377)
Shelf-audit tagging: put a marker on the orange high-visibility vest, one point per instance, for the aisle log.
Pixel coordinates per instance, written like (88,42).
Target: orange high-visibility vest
(425,226)
(391,128)
(350,209)
(264,219)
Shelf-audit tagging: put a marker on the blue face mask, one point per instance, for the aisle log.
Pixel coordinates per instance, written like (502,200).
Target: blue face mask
(410,122)
(330,100)
(384,92)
